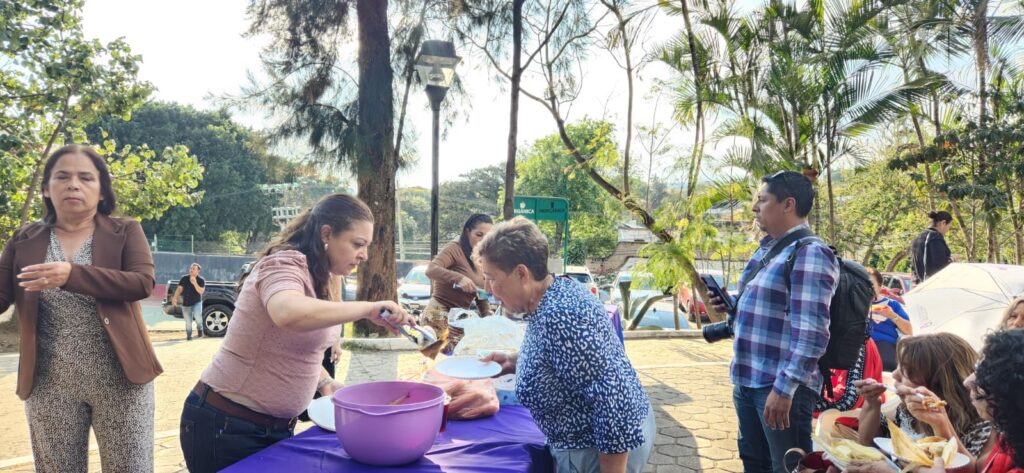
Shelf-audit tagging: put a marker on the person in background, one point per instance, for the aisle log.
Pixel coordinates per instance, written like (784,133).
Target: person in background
(929,252)
(287,314)
(571,371)
(1013,317)
(86,360)
(190,290)
(457,283)
(889,322)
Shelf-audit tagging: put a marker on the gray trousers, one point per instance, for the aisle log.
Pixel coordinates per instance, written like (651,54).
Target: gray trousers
(122,417)
(586,460)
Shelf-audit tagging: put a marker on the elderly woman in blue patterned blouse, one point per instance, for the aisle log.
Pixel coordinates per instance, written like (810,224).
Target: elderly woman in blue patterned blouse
(572,371)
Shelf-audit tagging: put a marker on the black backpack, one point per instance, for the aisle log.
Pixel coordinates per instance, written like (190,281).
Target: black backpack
(848,325)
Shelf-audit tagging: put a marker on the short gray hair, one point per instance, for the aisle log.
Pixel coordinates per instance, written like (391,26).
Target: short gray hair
(513,243)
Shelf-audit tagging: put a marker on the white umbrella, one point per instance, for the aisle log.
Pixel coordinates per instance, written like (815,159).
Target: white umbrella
(967,299)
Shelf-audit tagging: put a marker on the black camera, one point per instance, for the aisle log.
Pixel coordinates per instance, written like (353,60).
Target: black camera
(719,331)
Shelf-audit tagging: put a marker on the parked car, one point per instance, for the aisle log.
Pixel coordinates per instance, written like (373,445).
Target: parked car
(582,275)
(895,285)
(641,285)
(414,290)
(218,305)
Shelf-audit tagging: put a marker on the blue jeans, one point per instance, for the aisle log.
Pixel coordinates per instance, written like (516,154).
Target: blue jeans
(761,448)
(193,312)
(586,460)
(212,440)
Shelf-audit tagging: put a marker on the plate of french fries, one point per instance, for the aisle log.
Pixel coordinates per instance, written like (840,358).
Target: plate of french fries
(922,452)
(842,451)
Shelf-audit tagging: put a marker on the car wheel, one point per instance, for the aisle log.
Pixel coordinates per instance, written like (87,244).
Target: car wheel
(215,320)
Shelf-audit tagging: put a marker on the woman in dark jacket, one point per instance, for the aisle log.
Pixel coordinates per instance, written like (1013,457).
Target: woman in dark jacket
(929,252)
(86,359)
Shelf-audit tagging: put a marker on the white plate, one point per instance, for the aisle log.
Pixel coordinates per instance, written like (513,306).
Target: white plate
(885,444)
(467,367)
(321,412)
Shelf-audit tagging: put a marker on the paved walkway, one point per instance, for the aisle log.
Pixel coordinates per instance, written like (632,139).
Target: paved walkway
(687,381)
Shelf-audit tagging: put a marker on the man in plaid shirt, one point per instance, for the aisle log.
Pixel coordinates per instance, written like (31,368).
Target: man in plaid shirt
(781,329)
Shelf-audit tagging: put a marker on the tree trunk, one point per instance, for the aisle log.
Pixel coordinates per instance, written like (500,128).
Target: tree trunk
(980,41)
(632,206)
(37,173)
(626,48)
(513,121)
(376,176)
(896,259)
(698,82)
(831,204)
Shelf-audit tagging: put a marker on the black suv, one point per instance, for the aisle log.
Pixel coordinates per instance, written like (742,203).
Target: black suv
(218,305)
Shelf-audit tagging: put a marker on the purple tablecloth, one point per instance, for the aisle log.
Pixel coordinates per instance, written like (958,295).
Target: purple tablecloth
(508,442)
(616,319)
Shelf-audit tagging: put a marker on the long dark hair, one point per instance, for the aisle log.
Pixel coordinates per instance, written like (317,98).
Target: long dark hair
(941,362)
(338,211)
(1000,380)
(467,228)
(107,204)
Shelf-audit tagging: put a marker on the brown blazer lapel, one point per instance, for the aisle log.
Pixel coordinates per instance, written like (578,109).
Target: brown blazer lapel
(28,251)
(107,242)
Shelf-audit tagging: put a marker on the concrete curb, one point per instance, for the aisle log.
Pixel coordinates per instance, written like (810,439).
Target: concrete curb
(655,334)
(402,344)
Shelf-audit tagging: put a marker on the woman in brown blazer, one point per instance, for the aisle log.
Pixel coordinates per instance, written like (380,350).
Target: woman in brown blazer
(75,280)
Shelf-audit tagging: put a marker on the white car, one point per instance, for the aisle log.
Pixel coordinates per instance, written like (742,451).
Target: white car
(582,275)
(641,286)
(414,290)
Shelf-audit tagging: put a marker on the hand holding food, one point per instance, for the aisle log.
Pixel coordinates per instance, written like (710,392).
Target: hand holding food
(925,406)
(870,390)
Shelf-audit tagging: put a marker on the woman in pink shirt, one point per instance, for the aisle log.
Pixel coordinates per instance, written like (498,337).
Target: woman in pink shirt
(287,313)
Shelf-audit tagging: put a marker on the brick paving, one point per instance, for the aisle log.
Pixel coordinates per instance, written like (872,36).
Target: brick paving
(687,380)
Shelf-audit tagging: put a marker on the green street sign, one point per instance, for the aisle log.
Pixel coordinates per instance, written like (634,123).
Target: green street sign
(545,208)
(542,208)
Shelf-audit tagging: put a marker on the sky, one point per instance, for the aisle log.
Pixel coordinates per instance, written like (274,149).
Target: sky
(194,50)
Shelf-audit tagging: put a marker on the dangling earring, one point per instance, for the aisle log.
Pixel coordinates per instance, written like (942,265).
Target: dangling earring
(325,247)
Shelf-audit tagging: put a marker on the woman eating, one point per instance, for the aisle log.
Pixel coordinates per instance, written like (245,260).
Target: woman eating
(287,314)
(889,322)
(995,392)
(932,366)
(571,372)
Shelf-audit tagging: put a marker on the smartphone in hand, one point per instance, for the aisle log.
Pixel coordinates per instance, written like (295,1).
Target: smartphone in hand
(717,291)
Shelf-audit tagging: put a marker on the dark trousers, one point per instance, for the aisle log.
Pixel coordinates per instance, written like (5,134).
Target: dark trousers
(887,351)
(212,440)
(761,448)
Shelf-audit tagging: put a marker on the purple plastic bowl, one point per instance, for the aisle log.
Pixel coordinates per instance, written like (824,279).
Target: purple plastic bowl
(376,433)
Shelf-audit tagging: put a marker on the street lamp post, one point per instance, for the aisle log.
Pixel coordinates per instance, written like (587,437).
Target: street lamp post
(435,66)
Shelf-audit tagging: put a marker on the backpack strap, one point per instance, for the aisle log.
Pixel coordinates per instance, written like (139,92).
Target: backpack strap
(826,374)
(780,245)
